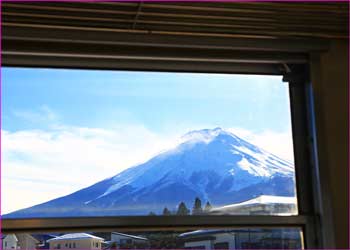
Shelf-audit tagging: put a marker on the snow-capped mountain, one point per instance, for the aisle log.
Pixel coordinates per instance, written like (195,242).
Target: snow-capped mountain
(212,164)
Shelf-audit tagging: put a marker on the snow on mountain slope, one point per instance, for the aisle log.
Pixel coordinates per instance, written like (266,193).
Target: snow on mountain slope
(213,164)
(226,148)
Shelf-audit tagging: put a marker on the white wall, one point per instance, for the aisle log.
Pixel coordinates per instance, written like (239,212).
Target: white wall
(9,242)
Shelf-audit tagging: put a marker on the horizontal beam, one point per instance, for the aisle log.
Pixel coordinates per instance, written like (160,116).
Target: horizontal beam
(285,10)
(51,47)
(103,36)
(285,18)
(151,53)
(336,27)
(139,65)
(149,223)
(160,55)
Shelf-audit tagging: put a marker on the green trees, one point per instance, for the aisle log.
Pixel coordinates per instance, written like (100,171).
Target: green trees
(182,209)
(207,207)
(197,207)
(166,211)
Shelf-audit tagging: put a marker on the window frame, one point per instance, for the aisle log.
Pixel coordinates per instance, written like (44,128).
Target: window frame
(292,64)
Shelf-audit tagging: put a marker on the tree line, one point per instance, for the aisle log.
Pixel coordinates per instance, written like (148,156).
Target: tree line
(183,210)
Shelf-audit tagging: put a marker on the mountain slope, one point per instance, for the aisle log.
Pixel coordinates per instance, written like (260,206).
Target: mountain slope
(214,165)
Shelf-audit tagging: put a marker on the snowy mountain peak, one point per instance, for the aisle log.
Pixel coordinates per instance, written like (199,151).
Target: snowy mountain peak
(204,135)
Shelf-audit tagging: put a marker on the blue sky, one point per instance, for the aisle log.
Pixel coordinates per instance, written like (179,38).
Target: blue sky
(63,130)
(159,101)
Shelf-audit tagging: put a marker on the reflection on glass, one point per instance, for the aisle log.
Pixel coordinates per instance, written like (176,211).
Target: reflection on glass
(239,238)
(100,143)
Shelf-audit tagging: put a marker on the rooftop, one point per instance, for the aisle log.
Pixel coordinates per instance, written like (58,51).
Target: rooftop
(130,236)
(75,236)
(262,199)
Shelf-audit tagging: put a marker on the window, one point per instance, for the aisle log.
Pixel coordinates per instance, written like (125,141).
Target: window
(236,160)
(221,245)
(197,102)
(204,238)
(144,37)
(149,144)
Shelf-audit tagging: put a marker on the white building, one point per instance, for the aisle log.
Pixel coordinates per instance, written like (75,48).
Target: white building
(261,205)
(27,242)
(76,241)
(9,241)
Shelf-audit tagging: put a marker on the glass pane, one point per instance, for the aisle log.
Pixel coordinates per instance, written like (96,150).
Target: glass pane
(239,238)
(116,143)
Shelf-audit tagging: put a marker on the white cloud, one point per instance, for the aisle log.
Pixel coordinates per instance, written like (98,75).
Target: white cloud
(277,143)
(41,165)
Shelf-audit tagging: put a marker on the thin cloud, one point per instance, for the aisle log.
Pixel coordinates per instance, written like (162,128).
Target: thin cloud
(42,114)
(277,143)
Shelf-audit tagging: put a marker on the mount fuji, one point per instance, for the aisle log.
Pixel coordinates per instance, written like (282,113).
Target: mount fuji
(212,164)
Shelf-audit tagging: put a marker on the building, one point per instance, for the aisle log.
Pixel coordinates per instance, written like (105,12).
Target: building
(26,241)
(43,238)
(9,241)
(77,241)
(208,239)
(127,241)
(245,238)
(261,205)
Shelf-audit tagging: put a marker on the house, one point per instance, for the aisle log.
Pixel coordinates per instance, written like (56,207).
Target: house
(26,241)
(43,238)
(9,241)
(244,238)
(127,241)
(261,205)
(77,241)
(208,239)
